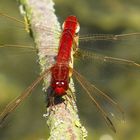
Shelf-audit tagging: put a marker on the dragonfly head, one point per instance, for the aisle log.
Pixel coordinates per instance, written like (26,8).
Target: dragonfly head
(60,79)
(60,87)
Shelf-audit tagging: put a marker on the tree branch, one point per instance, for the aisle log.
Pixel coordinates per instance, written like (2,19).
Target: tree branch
(63,121)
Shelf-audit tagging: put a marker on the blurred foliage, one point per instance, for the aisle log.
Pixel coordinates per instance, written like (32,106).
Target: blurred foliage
(18,68)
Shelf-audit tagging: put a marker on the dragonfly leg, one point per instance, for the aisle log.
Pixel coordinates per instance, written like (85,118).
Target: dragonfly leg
(50,103)
(69,99)
(53,100)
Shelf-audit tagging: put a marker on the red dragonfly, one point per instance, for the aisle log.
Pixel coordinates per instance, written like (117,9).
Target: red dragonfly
(62,71)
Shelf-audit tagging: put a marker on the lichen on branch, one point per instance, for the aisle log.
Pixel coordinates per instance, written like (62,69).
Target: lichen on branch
(63,120)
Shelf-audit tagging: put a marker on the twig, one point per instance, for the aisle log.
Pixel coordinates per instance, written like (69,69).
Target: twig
(63,121)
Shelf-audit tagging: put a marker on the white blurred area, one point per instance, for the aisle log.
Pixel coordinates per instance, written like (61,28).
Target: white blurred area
(106,137)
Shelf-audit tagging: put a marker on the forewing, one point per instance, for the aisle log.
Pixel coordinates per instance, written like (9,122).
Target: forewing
(93,93)
(110,37)
(18,100)
(87,54)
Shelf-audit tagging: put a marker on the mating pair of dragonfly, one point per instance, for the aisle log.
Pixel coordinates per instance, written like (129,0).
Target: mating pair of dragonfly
(62,71)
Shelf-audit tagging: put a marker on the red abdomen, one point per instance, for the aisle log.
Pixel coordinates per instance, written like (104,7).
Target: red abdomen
(66,40)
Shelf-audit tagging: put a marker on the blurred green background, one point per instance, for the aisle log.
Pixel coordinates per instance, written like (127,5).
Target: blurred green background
(19,67)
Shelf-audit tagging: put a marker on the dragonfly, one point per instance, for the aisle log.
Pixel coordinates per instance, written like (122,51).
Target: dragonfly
(62,71)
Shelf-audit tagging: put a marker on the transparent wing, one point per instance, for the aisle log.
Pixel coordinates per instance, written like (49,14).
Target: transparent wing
(18,100)
(87,54)
(110,37)
(93,92)
(26,49)
(92,37)
(26,26)
(16,46)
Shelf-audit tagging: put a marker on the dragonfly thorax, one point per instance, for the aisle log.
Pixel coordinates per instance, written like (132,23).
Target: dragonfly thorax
(60,79)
